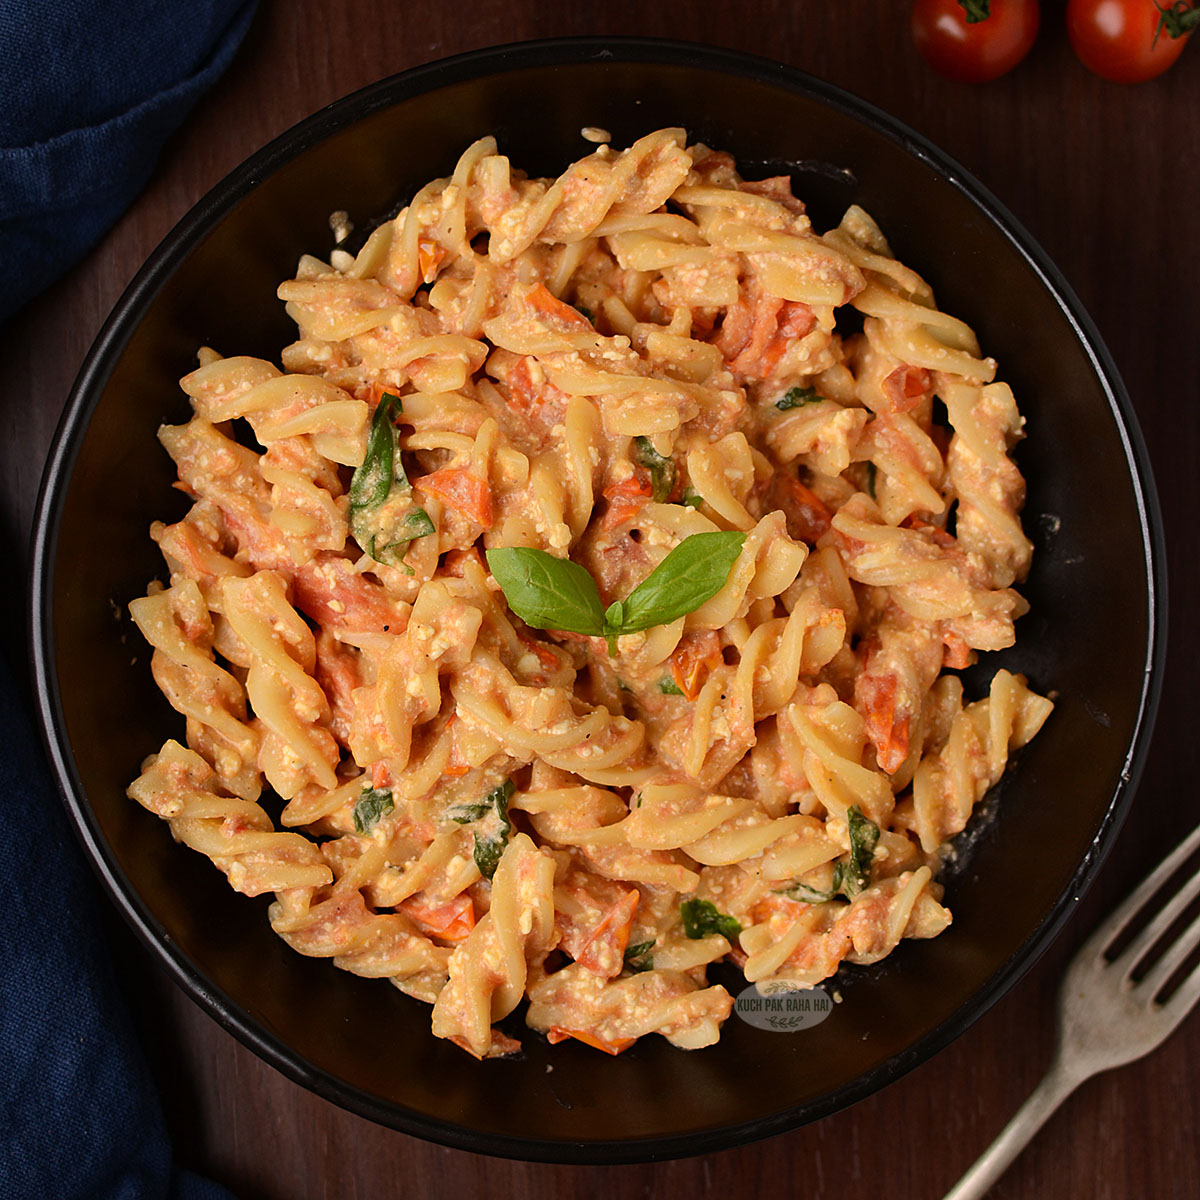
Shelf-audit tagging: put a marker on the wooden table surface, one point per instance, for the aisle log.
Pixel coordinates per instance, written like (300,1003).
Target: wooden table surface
(1106,178)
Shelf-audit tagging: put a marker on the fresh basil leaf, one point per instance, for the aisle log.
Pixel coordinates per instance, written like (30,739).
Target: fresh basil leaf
(639,958)
(872,475)
(373,804)
(692,499)
(669,687)
(662,469)
(381,467)
(555,593)
(797,397)
(702,918)
(547,592)
(864,836)
(692,573)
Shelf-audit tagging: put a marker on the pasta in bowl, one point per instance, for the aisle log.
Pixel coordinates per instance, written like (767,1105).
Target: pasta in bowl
(590,589)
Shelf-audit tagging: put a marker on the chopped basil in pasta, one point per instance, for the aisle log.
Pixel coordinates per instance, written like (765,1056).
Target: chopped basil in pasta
(797,397)
(492,826)
(701,918)
(373,804)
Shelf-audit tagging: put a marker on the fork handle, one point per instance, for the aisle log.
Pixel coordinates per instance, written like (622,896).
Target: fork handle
(1058,1084)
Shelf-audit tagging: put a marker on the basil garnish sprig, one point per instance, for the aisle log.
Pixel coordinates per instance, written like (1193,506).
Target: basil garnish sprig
(851,872)
(379,480)
(555,593)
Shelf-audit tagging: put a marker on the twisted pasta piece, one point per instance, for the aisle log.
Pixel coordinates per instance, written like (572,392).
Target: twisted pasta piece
(375,945)
(951,782)
(488,970)
(823,741)
(721,726)
(307,425)
(438,638)
(926,575)
(179,786)
(638,180)
(611,1016)
(297,747)
(988,485)
(595,822)
(177,623)
(195,548)
(901,660)
(805,943)
(545,722)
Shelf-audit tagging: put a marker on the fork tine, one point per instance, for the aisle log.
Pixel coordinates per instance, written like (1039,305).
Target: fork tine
(1161,922)
(1184,998)
(1174,956)
(1111,929)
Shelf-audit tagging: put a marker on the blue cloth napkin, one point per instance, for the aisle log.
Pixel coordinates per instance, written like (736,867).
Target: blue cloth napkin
(79,1118)
(89,91)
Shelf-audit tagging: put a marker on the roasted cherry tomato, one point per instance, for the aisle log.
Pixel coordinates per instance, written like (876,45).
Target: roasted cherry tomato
(973,41)
(1129,41)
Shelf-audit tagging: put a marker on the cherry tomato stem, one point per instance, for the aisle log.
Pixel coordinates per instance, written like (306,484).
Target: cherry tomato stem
(1129,41)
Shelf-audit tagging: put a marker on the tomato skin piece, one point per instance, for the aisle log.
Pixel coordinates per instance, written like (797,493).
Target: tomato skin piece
(1116,39)
(974,52)
(697,654)
(460,489)
(625,499)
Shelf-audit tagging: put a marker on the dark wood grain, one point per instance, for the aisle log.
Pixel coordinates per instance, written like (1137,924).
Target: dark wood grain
(1106,178)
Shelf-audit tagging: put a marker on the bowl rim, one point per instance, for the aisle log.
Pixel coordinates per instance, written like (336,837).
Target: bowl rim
(115,334)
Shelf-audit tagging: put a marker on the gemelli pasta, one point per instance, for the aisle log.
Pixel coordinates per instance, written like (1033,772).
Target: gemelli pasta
(582,603)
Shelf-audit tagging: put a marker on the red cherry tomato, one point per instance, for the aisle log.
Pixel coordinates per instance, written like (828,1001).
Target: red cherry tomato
(974,50)
(1129,41)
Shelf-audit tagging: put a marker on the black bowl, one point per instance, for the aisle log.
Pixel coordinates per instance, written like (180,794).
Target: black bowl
(1094,636)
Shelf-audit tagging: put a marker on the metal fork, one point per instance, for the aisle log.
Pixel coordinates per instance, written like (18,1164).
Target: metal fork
(1106,1016)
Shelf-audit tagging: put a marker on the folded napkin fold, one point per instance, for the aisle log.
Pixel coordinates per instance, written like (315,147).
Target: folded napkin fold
(89,91)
